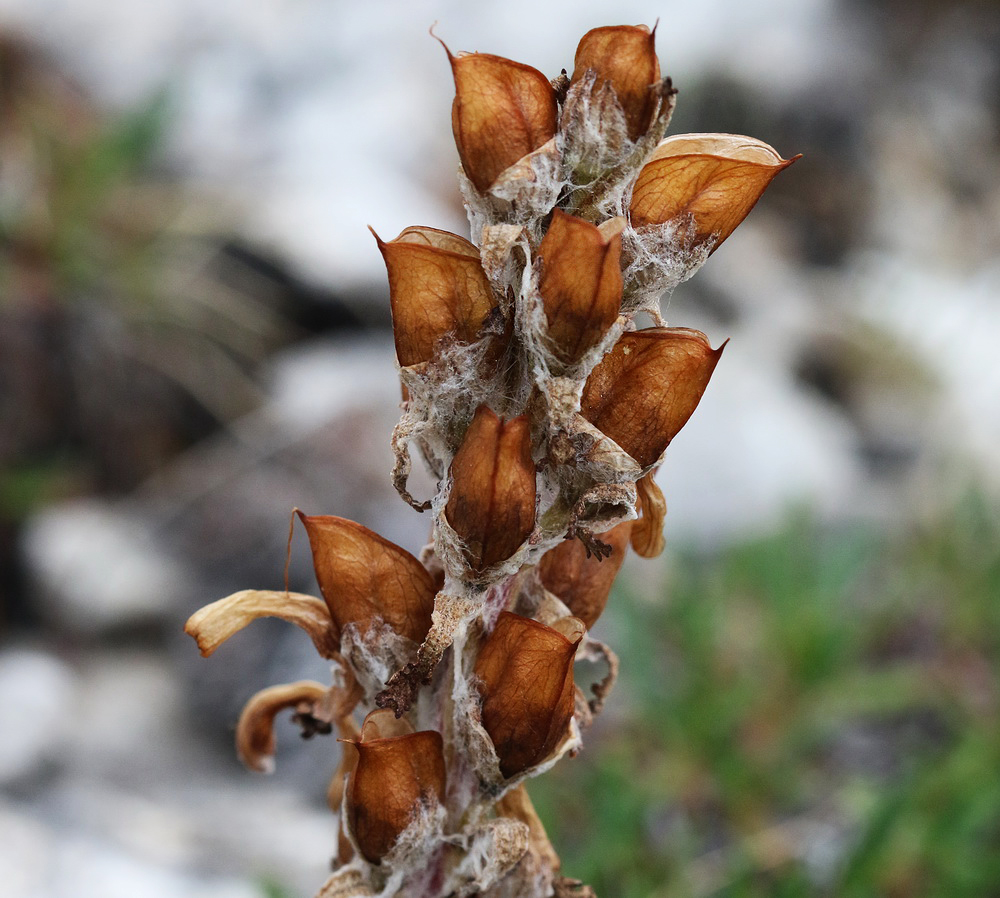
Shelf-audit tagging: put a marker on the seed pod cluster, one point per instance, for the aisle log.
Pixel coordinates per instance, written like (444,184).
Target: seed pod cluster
(543,412)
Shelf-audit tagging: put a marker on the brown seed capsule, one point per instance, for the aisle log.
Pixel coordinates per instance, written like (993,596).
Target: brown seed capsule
(437,286)
(502,111)
(644,390)
(363,576)
(526,673)
(492,501)
(716,179)
(395,777)
(625,56)
(581,282)
(581,579)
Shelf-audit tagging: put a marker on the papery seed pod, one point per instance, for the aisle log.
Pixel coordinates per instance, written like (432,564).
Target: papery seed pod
(503,110)
(394,778)
(526,674)
(582,579)
(716,179)
(624,56)
(492,501)
(581,282)
(363,577)
(644,390)
(437,286)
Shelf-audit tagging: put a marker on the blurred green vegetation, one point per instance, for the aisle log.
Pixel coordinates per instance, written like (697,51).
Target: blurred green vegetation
(813,713)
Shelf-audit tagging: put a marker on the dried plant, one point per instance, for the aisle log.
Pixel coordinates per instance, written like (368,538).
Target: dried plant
(543,413)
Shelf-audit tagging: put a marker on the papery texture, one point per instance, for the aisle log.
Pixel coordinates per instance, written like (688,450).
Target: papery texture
(364,577)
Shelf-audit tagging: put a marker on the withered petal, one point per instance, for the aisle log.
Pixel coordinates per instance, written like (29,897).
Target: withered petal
(716,179)
(363,576)
(583,580)
(437,286)
(581,282)
(214,624)
(492,501)
(625,56)
(644,390)
(503,110)
(647,534)
(526,674)
(393,779)
(255,741)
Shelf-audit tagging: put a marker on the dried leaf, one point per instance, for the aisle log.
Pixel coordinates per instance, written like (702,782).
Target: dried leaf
(394,778)
(644,390)
(625,56)
(255,741)
(581,282)
(716,179)
(647,534)
(526,674)
(502,111)
(437,286)
(363,577)
(214,624)
(492,501)
(581,579)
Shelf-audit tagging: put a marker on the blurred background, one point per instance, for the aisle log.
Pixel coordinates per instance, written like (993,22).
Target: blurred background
(194,338)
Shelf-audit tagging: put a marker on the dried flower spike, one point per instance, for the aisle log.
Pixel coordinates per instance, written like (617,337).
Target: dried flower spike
(542,413)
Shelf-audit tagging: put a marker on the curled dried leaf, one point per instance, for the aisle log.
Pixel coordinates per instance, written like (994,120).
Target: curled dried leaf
(394,777)
(214,624)
(526,674)
(437,287)
(502,111)
(581,282)
(647,534)
(581,578)
(715,179)
(644,390)
(625,56)
(492,501)
(364,577)
(255,741)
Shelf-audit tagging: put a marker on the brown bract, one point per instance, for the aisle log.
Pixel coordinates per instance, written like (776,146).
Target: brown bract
(363,577)
(502,111)
(644,390)
(716,179)
(394,777)
(437,286)
(526,674)
(624,56)
(492,501)
(582,579)
(581,282)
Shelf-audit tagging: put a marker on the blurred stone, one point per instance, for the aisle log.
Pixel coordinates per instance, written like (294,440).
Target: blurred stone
(99,567)
(37,697)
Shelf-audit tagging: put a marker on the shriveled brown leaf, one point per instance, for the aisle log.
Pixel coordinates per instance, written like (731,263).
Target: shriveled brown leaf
(647,534)
(502,111)
(716,179)
(255,741)
(395,776)
(581,579)
(644,390)
(363,576)
(214,624)
(492,501)
(625,56)
(581,282)
(437,286)
(526,674)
